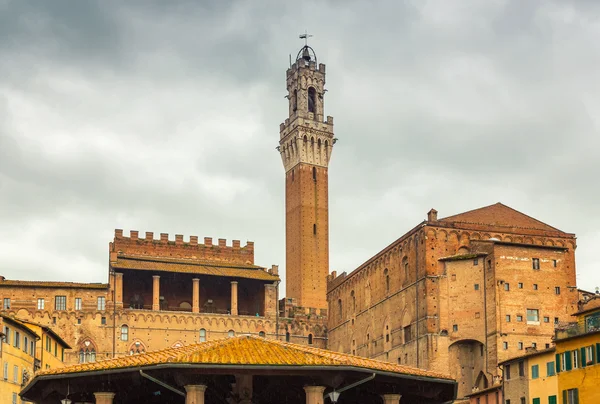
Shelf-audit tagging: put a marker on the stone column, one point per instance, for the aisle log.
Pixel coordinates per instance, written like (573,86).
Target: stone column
(119,290)
(194,393)
(234,298)
(195,295)
(314,394)
(104,398)
(156,293)
(391,398)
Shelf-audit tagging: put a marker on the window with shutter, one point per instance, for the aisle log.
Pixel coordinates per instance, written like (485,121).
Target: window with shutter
(552,400)
(535,372)
(568,364)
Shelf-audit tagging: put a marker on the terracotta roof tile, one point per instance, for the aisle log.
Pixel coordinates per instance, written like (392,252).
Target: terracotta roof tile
(195,267)
(44,284)
(249,351)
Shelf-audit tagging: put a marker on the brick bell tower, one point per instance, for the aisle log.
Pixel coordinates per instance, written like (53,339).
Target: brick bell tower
(306,142)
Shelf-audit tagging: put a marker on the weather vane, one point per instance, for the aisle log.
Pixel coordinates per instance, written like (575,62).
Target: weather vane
(305,36)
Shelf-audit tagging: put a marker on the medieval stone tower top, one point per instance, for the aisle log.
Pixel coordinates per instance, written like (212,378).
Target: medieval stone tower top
(305,145)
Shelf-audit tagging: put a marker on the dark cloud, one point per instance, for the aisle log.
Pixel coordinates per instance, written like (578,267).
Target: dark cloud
(164,117)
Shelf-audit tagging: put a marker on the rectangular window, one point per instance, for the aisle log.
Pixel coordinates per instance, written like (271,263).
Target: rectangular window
(535,286)
(508,318)
(563,361)
(520,285)
(546,319)
(476,261)
(101,303)
(521,369)
(520,345)
(55,349)
(534,344)
(506,286)
(455,327)
(575,356)
(523,401)
(505,345)
(519,317)
(77,303)
(554,263)
(15,374)
(60,303)
(535,372)
(507,372)
(32,348)
(407,334)
(25,344)
(6,304)
(536,263)
(589,355)
(536,401)
(5,371)
(14,398)
(103,320)
(533,316)
(550,369)
(552,400)
(40,304)
(557,290)
(571,396)
(48,344)
(476,286)
(555,320)
(17,341)
(7,334)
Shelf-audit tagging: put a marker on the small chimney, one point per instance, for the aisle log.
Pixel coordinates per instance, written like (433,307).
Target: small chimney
(432,215)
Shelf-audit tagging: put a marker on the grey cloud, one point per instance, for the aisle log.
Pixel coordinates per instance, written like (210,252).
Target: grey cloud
(164,117)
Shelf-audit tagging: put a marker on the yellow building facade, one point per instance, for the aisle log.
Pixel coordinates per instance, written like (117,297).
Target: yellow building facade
(51,349)
(531,378)
(578,359)
(17,358)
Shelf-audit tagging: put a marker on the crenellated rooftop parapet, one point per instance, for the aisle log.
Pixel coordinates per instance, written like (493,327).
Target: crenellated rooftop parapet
(163,247)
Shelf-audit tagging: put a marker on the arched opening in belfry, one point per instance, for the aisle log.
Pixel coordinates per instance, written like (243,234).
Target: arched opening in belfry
(295,100)
(312,99)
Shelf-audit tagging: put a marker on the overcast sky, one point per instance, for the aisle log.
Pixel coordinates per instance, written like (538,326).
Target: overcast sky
(164,116)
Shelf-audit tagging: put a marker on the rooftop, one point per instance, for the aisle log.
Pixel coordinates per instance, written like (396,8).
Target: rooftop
(45,284)
(246,351)
(182,265)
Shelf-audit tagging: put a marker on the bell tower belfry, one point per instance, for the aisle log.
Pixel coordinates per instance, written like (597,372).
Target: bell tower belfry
(305,144)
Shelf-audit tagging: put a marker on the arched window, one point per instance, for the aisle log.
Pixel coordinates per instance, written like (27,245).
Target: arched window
(231,333)
(202,335)
(287,337)
(312,99)
(124,333)
(310,339)
(261,334)
(340,313)
(87,352)
(405,266)
(387,281)
(353,301)
(137,348)
(87,355)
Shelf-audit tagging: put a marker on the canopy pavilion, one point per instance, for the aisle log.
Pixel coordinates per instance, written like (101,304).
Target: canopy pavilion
(242,369)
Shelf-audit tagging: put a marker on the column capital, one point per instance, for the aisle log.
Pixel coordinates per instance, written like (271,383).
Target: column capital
(155,277)
(314,389)
(190,388)
(391,398)
(232,282)
(104,397)
(196,280)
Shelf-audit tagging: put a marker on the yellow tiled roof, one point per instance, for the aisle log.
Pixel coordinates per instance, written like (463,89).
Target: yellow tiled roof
(248,351)
(196,267)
